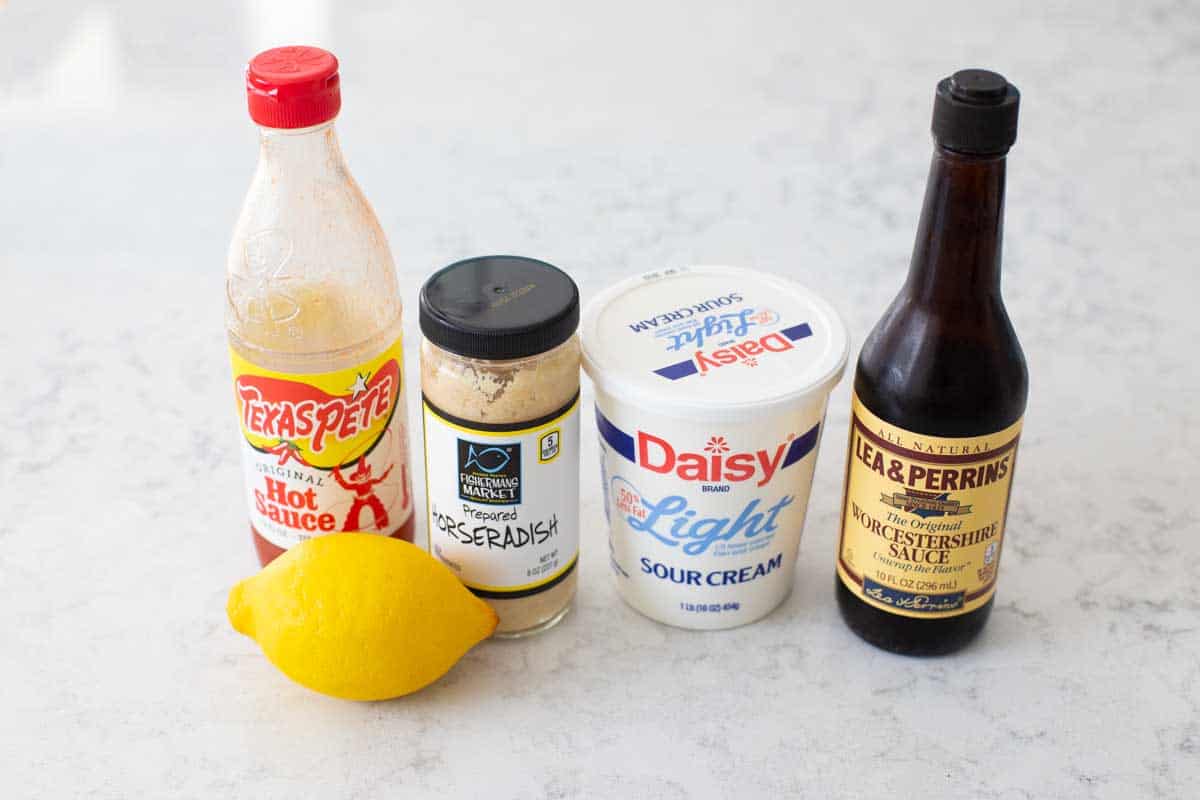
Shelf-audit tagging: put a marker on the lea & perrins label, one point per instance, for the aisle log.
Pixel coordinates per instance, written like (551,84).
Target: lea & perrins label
(923,516)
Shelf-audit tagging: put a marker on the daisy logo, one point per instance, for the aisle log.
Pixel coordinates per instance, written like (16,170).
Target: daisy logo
(716,444)
(715,461)
(736,350)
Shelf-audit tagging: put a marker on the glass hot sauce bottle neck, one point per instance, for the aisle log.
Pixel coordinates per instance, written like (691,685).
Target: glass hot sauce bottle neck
(301,154)
(311,284)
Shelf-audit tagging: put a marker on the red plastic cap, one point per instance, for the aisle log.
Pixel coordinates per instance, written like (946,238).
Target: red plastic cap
(293,87)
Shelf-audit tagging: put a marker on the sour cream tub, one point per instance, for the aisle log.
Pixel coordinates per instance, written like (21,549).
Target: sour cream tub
(711,386)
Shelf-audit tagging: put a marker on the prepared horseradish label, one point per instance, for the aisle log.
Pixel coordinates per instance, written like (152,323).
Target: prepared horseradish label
(923,517)
(503,499)
(324,452)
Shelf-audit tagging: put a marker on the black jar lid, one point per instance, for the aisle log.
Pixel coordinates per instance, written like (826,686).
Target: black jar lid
(975,111)
(499,307)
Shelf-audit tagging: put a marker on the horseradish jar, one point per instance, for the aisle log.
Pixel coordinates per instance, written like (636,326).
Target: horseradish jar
(500,391)
(711,386)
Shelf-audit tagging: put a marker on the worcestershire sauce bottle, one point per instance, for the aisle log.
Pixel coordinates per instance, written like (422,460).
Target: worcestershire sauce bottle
(938,398)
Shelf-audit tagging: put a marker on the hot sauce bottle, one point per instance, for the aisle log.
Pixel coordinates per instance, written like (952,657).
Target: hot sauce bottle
(939,395)
(313,316)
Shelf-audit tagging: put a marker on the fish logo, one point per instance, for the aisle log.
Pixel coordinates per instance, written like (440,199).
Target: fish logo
(489,473)
(490,459)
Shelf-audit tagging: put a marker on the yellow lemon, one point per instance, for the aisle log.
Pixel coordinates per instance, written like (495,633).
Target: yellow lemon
(360,616)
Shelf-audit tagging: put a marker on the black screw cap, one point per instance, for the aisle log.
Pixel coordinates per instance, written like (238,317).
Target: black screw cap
(975,111)
(499,307)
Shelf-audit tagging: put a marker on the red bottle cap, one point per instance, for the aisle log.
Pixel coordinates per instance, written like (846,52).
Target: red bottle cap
(293,87)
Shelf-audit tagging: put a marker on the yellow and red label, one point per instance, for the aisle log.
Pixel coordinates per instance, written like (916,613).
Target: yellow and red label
(923,516)
(324,452)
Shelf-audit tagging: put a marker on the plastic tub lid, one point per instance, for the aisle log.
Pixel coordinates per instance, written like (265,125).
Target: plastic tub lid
(712,341)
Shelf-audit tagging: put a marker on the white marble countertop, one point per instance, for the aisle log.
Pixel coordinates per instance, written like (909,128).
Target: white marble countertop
(608,138)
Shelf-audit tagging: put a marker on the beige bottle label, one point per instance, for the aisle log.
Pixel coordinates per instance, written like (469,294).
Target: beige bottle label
(923,516)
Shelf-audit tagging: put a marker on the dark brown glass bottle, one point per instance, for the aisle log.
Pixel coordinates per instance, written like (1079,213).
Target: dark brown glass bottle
(940,390)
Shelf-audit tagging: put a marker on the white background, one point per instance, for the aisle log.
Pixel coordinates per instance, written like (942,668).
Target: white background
(608,138)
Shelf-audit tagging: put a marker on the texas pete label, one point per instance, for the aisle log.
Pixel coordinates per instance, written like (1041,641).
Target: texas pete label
(923,516)
(324,452)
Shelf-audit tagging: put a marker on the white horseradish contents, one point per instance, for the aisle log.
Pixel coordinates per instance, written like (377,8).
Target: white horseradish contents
(711,387)
(500,385)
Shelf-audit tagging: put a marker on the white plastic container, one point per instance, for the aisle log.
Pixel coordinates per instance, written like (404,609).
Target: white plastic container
(711,387)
